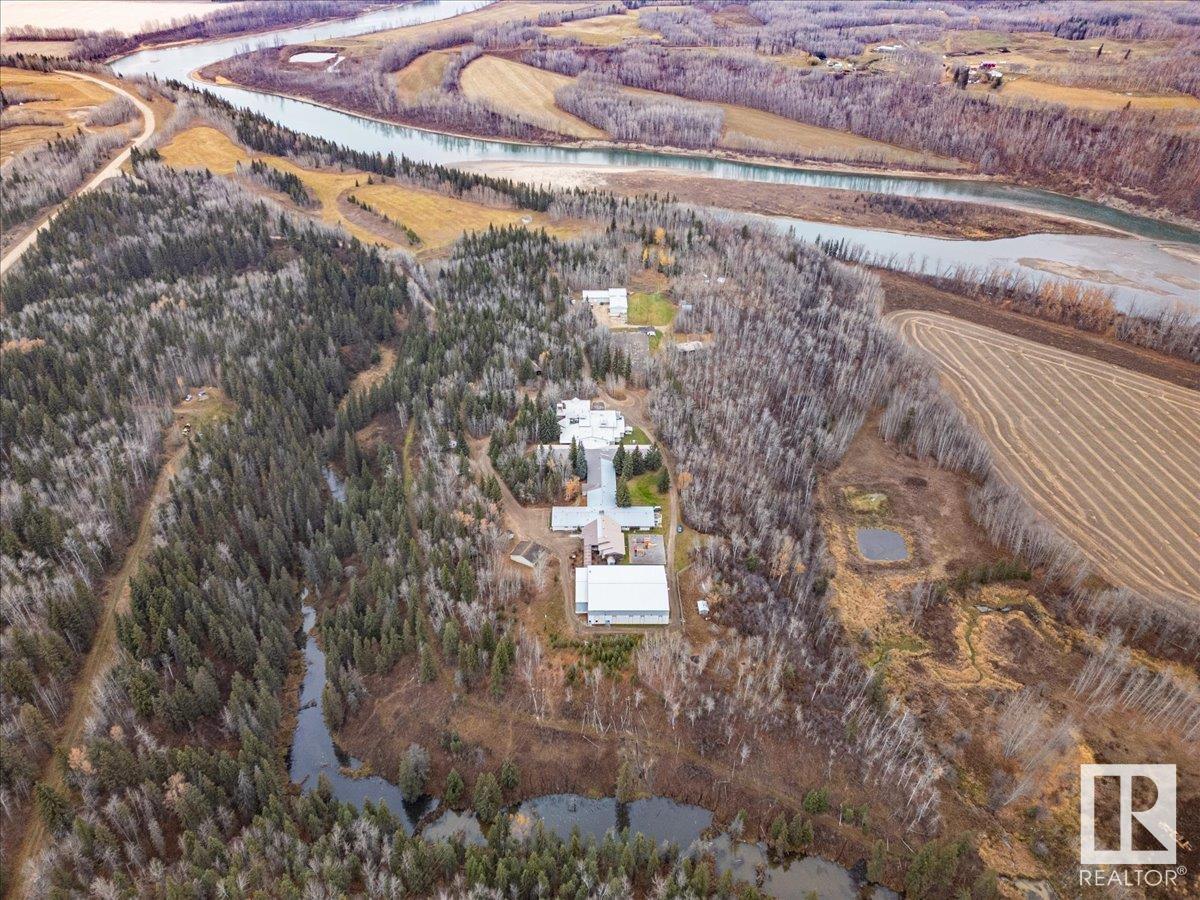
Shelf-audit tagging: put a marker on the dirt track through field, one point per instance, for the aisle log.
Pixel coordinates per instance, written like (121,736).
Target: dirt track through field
(1110,456)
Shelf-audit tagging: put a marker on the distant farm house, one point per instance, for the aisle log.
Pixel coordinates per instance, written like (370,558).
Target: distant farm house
(622,595)
(616,299)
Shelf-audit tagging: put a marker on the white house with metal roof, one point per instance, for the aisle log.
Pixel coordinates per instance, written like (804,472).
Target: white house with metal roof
(590,425)
(602,501)
(616,299)
(623,595)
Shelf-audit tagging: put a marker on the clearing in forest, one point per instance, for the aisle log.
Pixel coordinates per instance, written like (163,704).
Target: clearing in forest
(422,74)
(603,31)
(58,106)
(1091,98)
(753,129)
(524,91)
(1108,455)
(527,92)
(439,220)
(650,309)
(436,219)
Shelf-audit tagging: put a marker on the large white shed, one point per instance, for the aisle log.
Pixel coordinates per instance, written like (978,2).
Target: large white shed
(623,595)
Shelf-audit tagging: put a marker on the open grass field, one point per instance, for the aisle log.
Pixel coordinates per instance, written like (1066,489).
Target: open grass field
(422,74)
(650,309)
(1091,98)
(66,104)
(753,129)
(1108,455)
(603,31)
(525,91)
(438,220)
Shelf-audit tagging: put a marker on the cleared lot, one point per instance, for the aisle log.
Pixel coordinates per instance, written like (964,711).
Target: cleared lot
(1111,456)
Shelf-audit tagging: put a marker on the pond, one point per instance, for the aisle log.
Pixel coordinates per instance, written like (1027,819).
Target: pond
(312,56)
(881,544)
(314,753)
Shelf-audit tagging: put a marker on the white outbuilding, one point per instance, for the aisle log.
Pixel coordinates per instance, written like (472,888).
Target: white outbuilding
(623,595)
(616,299)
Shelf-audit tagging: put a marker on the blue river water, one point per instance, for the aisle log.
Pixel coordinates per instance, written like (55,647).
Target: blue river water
(1155,264)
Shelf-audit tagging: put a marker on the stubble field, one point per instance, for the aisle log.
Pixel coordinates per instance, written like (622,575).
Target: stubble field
(1110,456)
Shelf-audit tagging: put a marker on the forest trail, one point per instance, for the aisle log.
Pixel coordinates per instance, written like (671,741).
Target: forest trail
(113,167)
(114,601)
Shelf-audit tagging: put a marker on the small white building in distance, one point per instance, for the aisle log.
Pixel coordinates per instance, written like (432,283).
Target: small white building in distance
(592,427)
(616,299)
(623,595)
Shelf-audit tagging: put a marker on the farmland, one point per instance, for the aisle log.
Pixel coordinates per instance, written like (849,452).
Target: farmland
(526,92)
(1109,456)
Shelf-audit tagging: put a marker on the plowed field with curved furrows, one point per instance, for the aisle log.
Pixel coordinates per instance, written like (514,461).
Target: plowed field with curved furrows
(1110,456)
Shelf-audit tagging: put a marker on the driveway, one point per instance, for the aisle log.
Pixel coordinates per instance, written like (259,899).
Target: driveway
(100,177)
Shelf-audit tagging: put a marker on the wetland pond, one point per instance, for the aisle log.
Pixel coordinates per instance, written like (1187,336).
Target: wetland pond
(314,753)
(881,544)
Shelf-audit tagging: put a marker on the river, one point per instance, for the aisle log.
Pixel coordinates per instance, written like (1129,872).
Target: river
(1158,265)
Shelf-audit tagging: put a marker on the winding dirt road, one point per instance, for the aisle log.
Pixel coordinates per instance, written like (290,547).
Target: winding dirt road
(1110,456)
(113,167)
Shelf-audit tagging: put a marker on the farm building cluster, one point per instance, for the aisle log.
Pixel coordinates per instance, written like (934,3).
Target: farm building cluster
(621,581)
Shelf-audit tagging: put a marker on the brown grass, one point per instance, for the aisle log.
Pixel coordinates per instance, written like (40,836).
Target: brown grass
(604,31)
(440,220)
(1091,98)
(751,129)
(1106,454)
(524,91)
(422,74)
(62,116)
(437,219)
(368,378)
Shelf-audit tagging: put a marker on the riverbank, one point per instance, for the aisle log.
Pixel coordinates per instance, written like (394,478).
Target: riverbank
(936,218)
(209,74)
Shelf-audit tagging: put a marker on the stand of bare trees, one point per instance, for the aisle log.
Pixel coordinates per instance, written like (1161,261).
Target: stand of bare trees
(1134,153)
(645,119)
(43,176)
